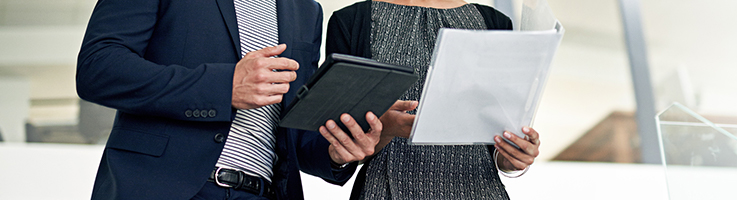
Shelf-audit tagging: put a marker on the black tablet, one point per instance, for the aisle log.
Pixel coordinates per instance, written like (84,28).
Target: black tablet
(347,84)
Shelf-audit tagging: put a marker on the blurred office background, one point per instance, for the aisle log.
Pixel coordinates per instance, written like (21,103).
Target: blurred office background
(51,140)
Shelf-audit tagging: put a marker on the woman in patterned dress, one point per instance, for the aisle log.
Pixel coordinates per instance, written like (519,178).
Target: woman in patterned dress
(403,32)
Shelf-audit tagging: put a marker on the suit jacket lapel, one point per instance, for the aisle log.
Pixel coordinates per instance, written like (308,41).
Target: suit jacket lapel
(227,10)
(285,16)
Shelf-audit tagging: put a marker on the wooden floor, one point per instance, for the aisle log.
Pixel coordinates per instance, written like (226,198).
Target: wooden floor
(615,139)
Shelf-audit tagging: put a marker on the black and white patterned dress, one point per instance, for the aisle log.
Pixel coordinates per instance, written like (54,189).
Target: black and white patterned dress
(405,35)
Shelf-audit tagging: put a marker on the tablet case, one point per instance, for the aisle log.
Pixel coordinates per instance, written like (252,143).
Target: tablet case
(347,84)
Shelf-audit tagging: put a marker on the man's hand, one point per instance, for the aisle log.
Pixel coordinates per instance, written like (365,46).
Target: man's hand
(343,149)
(256,81)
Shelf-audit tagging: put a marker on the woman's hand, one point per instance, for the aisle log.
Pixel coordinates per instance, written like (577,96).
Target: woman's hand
(513,159)
(397,122)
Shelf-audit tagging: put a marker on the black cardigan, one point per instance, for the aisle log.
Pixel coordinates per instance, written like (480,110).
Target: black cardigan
(349,29)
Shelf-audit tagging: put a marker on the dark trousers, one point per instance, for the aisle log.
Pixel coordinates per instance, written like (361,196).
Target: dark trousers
(212,191)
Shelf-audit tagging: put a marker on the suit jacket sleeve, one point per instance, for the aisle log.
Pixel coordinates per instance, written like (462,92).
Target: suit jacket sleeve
(113,69)
(316,161)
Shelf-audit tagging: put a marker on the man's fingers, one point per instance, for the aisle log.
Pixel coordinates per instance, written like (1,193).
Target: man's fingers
(283,77)
(328,136)
(353,127)
(282,63)
(375,123)
(270,77)
(344,155)
(268,100)
(363,144)
(337,132)
(266,91)
(267,52)
(265,58)
(352,149)
(343,138)
(273,89)
(259,79)
(254,101)
(341,154)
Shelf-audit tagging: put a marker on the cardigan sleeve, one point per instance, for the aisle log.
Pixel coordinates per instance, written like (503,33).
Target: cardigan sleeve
(349,30)
(493,18)
(337,35)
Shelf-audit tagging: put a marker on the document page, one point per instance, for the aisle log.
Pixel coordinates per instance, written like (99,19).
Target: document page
(484,82)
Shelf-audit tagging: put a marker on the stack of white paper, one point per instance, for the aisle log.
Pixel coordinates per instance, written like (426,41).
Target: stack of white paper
(483,82)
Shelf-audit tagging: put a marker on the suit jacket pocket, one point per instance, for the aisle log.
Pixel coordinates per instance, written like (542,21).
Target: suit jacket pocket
(305,46)
(137,141)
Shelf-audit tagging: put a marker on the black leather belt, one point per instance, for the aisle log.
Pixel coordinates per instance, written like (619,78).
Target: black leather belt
(231,178)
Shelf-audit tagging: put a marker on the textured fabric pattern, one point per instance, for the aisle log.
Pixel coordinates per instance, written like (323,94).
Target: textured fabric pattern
(405,35)
(250,144)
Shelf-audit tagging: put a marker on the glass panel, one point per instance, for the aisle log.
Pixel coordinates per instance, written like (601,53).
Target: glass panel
(700,157)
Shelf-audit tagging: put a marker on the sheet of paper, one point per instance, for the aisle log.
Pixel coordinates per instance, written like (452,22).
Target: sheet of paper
(481,82)
(536,16)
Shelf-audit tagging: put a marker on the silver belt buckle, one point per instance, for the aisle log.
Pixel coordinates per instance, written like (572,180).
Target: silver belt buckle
(217,179)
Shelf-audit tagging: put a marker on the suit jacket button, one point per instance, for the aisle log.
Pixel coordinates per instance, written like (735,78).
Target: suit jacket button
(212,113)
(188,113)
(219,138)
(203,113)
(196,113)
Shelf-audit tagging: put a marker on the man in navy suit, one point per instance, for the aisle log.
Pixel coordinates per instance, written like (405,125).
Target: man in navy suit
(173,70)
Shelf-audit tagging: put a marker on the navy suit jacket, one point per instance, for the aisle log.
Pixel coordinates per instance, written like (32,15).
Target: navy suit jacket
(167,67)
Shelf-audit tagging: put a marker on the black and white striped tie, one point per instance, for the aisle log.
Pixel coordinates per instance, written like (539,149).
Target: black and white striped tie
(250,144)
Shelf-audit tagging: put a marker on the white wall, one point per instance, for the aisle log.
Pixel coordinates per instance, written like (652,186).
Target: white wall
(67,172)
